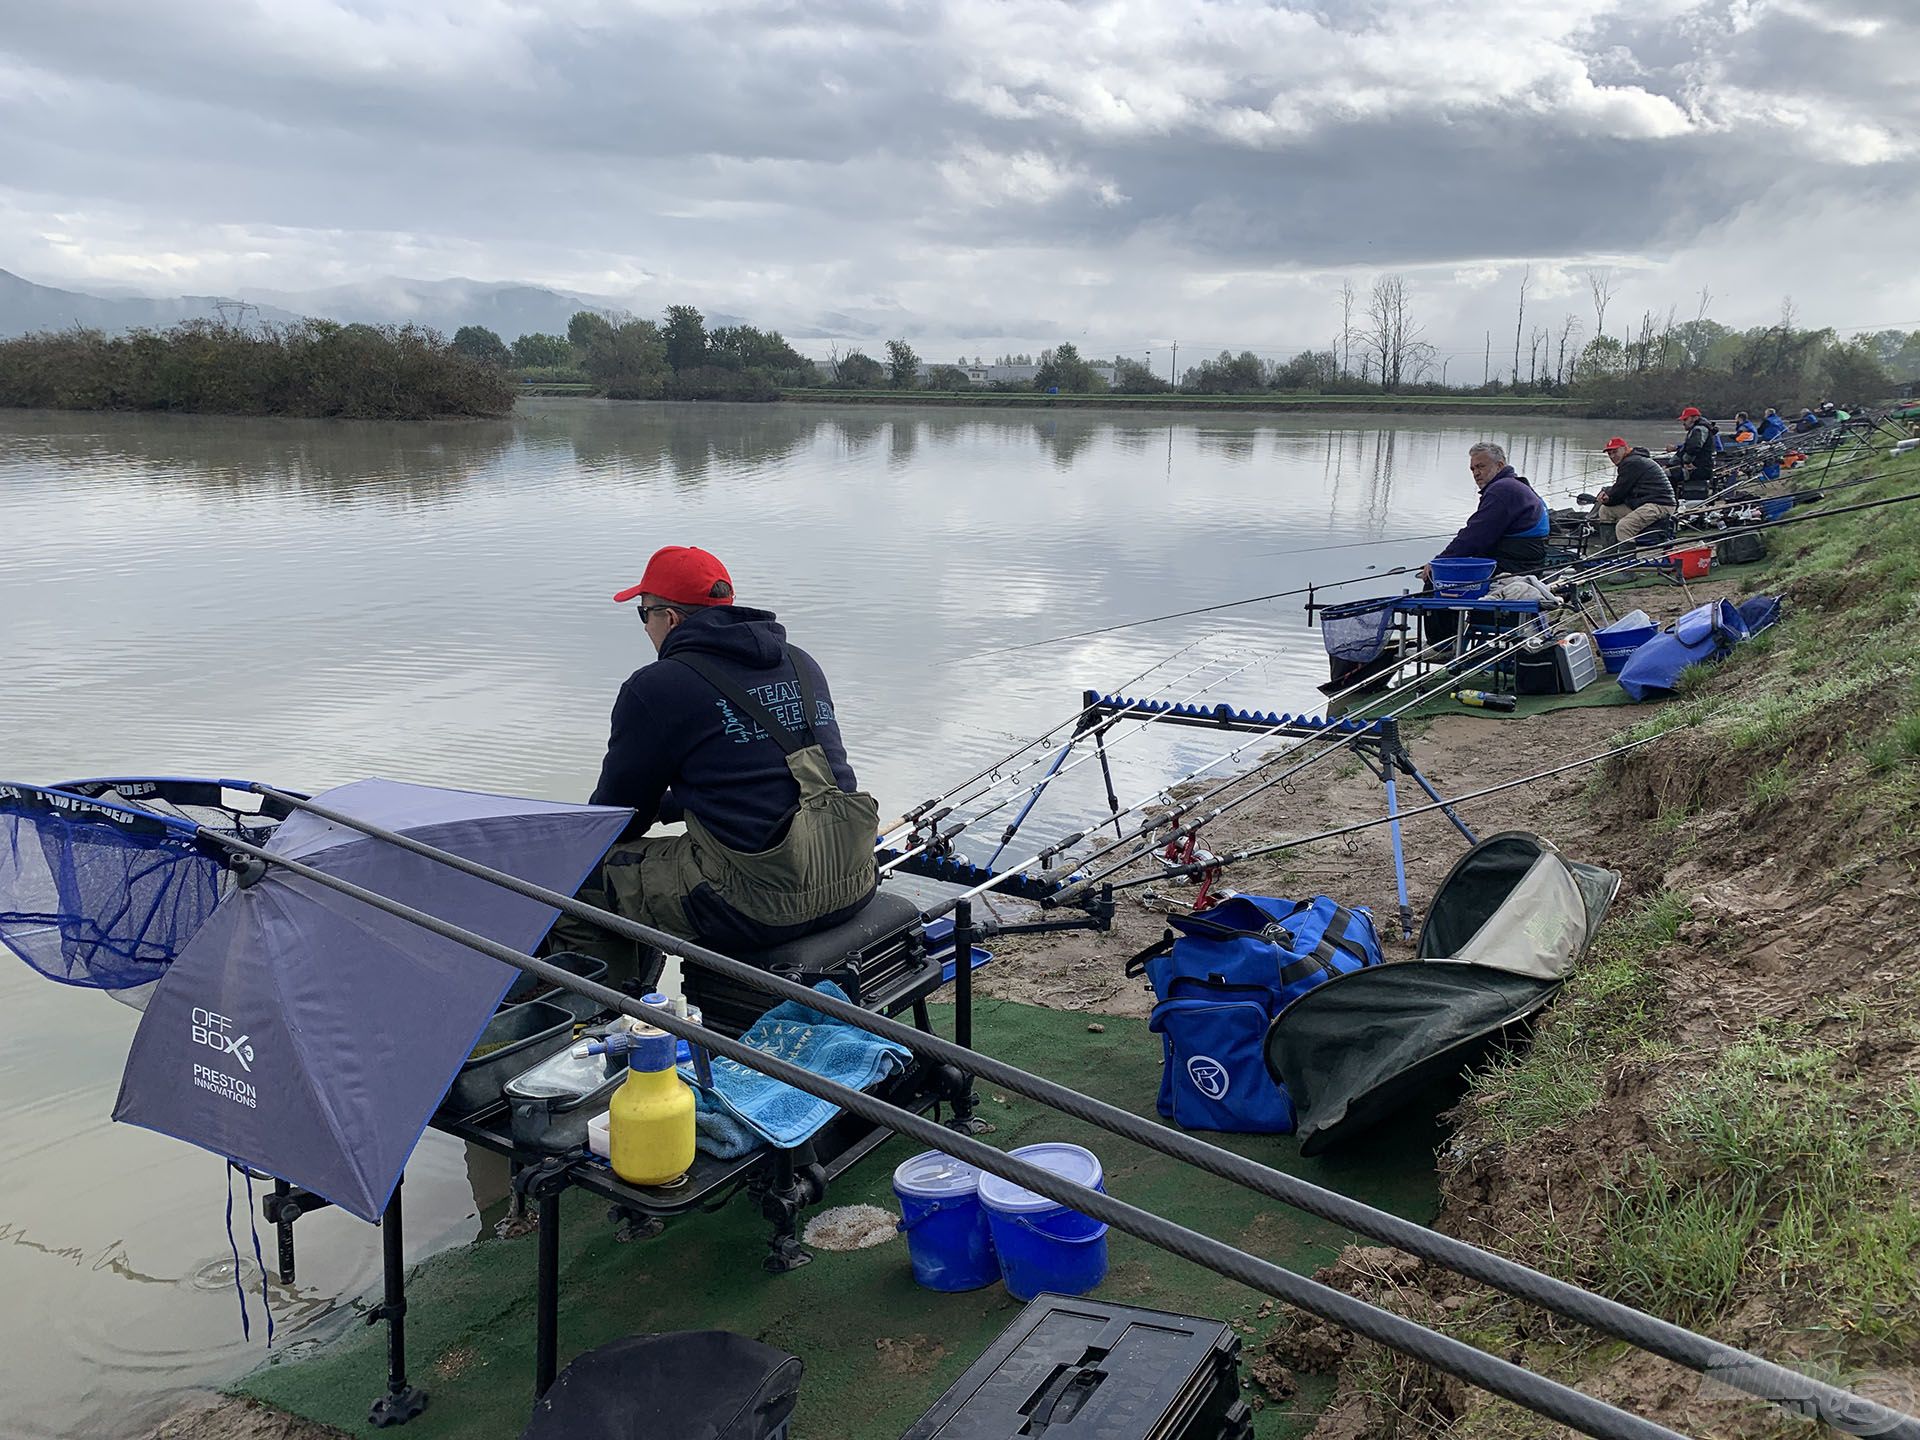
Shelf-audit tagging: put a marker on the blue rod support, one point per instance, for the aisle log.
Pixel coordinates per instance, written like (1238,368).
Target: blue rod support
(1006,839)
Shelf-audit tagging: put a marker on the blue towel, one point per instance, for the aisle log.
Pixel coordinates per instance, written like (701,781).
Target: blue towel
(745,1108)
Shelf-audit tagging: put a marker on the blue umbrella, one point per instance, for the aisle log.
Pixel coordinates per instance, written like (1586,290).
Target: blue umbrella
(309,1036)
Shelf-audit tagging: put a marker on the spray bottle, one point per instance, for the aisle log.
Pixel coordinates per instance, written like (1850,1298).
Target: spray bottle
(650,1122)
(1486,699)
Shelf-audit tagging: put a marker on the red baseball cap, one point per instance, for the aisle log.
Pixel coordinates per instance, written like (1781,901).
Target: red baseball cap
(1692,412)
(1616,443)
(684,575)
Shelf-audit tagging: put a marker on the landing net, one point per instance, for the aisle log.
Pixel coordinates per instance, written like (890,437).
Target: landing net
(102,882)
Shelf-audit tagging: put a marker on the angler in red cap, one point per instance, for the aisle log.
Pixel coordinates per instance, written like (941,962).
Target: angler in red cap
(733,731)
(1640,495)
(1692,471)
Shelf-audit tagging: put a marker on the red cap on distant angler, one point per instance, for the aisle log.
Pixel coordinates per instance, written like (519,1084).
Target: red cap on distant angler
(684,575)
(1692,412)
(1616,443)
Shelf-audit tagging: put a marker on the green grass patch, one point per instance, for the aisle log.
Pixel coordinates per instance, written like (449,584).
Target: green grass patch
(1607,1009)
(1777,1166)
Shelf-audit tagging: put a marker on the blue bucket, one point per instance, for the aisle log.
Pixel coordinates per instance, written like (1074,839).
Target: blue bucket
(1044,1245)
(1462,577)
(947,1235)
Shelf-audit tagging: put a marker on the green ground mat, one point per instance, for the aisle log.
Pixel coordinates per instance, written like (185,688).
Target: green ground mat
(878,1349)
(1605,690)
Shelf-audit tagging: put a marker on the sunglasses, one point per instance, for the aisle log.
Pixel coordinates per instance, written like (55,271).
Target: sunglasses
(647,612)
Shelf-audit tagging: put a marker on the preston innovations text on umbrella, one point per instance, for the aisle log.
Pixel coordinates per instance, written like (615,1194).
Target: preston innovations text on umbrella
(1750,1373)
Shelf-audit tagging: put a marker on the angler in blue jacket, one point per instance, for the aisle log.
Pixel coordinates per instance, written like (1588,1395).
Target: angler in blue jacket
(1509,526)
(1511,522)
(732,730)
(1772,427)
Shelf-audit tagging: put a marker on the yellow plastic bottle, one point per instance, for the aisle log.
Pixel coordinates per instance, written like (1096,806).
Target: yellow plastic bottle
(650,1122)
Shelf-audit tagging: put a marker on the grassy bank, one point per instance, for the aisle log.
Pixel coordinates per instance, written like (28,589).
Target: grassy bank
(313,369)
(1719,1121)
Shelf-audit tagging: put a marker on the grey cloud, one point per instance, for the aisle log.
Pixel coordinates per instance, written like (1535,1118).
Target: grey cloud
(801,165)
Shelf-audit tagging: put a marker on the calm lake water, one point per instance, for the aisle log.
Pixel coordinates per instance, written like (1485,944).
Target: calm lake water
(311,603)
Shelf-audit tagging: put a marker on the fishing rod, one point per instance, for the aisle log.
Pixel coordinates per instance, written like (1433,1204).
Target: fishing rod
(1200,610)
(1490,652)
(1251,600)
(1824,513)
(1257,851)
(1081,883)
(911,823)
(1750,1373)
(943,837)
(1014,754)
(1048,853)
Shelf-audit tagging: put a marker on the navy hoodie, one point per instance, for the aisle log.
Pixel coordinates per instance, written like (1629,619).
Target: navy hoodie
(1508,507)
(678,748)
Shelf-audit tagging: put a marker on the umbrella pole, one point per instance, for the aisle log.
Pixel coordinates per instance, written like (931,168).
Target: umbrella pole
(402,1402)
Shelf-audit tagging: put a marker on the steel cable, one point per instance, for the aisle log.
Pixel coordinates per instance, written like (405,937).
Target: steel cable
(1750,1373)
(1523,1387)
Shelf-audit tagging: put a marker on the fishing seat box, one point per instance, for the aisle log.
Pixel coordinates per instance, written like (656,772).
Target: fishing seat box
(879,958)
(1085,1369)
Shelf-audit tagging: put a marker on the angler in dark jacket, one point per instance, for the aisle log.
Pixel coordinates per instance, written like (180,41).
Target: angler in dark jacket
(1511,522)
(733,731)
(1640,496)
(1693,461)
(1509,526)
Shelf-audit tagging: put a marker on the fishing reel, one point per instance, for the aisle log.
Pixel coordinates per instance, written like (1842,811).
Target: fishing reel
(1185,852)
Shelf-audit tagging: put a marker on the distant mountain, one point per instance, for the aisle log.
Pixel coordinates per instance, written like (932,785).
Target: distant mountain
(26,308)
(509,310)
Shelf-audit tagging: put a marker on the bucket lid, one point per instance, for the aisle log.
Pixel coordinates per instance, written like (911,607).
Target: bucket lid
(931,1175)
(1075,1163)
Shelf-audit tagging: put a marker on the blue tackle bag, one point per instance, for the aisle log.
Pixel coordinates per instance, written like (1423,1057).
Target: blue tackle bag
(1221,981)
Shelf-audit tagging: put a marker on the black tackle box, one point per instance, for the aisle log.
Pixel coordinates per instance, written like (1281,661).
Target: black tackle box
(1074,1369)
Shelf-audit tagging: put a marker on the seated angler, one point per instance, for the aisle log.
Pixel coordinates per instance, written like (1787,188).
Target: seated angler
(1509,527)
(1692,468)
(733,730)
(1743,431)
(1640,496)
(1772,427)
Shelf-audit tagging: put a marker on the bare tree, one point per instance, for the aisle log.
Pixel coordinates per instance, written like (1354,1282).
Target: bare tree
(1486,372)
(1347,298)
(1538,341)
(1788,314)
(1526,277)
(1641,349)
(1391,334)
(1666,338)
(1600,283)
(1569,328)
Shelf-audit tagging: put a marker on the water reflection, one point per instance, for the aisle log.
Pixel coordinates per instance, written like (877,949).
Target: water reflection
(319,460)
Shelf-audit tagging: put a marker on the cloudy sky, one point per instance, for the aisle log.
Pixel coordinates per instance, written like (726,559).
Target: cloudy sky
(984,174)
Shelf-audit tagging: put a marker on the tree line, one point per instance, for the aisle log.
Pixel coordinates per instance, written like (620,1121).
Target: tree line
(626,358)
(312,368)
